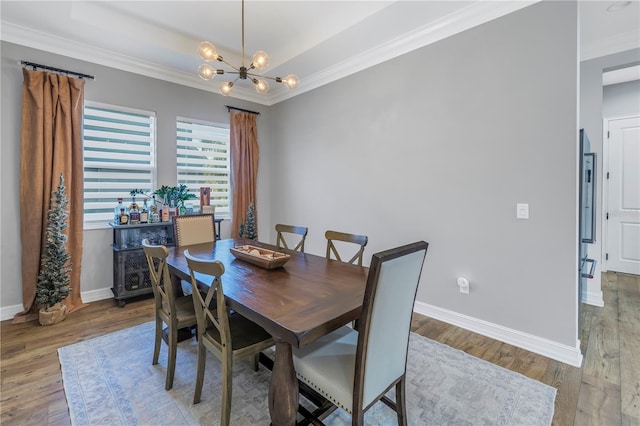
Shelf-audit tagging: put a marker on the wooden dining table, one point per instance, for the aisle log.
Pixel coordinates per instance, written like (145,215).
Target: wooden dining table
(297,303)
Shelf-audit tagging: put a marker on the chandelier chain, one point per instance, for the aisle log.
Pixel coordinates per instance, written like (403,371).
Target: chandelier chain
(242,33)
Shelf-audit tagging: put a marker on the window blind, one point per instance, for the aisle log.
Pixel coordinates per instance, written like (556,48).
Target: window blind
(119,156)
(203,160)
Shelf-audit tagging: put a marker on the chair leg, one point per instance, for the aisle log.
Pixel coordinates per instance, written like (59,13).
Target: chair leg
(401,408)
(254,361)
(156,348)
(202,358)
(227,383)
(171,363)
(357,417)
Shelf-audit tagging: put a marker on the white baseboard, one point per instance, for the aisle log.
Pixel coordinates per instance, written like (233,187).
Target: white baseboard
(563,353)
(8,312)
(594,298)
(545,347)
(95,295)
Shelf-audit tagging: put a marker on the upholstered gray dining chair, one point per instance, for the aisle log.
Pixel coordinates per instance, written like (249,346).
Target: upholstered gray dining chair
(176,312)
(289,229)
(354,369)
(333,236)
(228,337)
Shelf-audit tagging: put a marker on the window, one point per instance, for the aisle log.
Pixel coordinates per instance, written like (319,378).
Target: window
(203,160)
(119,155)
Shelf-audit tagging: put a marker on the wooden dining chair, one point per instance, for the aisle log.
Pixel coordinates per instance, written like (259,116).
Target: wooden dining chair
(354,369)
(176,312)
(289,229)
(228,337)
(332,236)
(194,229)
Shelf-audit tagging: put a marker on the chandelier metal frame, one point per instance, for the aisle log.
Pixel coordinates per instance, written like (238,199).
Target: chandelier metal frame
(259,61)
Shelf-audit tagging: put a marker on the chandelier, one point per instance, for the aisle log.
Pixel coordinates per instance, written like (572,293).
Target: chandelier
(259,61)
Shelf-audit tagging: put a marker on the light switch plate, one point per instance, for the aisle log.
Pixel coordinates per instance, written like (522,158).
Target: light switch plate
(522,211)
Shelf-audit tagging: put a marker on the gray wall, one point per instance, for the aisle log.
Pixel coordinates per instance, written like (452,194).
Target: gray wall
(115,87)
(621,100)
(591,115)
(439,145)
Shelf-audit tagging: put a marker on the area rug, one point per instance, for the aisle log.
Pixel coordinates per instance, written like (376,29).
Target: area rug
(109,380)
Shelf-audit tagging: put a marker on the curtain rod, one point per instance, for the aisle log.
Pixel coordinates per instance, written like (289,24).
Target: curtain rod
(229,107)
(48,68)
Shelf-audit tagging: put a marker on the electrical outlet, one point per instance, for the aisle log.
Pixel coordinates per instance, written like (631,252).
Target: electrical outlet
(463,283)
(522,211)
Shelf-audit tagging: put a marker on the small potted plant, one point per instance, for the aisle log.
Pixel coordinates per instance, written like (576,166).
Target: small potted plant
(179,194)
(55,268)
(182,194)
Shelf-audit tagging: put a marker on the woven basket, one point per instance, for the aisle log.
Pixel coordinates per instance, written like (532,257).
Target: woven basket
(53,315)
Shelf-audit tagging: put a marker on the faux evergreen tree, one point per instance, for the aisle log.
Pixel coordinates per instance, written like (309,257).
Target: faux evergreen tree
(248,228)
(54,278)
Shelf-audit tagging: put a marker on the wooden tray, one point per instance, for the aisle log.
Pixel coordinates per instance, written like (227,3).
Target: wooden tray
(259,256)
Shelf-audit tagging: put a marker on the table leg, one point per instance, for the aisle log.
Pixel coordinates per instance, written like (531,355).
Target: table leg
(176,283)
(183,333)
(283,389)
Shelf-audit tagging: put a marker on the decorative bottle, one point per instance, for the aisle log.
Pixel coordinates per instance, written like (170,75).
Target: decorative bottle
(124,217)
(154,215)
(165,209)
(144,213)
(172,209)
(116,211)
(183,209)
(134,213)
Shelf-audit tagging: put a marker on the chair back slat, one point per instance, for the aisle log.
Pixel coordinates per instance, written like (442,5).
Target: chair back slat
(332,236)
(289,229)
(385,322)
(159,273)
(194,229)
(207,313)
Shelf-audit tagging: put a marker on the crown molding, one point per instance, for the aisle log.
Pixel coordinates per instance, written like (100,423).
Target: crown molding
(621,75)
(74,49)
(475,14)
(619,43)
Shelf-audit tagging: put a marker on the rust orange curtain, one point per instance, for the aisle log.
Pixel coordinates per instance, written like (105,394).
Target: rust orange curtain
(51,144)
(244,166)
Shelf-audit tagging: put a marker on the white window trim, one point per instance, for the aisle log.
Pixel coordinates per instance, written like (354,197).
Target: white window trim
(153,150)
(218,214)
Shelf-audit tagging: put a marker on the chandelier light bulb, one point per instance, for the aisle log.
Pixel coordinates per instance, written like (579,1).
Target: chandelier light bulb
(262,86)
(260,60)
(207,51)
(291,81)
(225,88)
(206,72)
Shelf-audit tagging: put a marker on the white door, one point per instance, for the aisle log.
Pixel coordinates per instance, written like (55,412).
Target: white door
(623,223)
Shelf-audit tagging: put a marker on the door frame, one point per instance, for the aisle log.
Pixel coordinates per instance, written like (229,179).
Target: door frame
(605,188)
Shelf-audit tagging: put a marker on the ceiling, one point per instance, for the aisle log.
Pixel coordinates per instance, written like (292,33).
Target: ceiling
(320,41)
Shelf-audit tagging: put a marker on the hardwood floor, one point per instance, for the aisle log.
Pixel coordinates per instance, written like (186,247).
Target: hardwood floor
(605,391)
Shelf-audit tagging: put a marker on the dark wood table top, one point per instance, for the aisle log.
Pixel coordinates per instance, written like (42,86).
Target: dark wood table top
(308,297)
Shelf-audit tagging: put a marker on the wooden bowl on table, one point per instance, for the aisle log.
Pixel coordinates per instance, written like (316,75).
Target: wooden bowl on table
(265,258)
